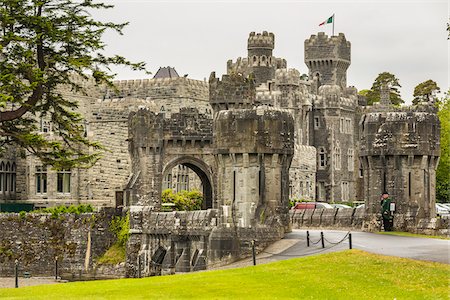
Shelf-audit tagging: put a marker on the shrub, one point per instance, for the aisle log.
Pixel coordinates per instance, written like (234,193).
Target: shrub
(120,226)
(184,200)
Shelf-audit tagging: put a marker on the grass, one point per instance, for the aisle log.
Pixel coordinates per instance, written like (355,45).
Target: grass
(114,255)
(351,274)
(400,233)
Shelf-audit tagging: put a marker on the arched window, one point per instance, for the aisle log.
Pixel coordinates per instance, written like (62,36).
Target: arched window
(337,157)
(322,158)
(255,60)
(7,177)
(350,157)
(13,178)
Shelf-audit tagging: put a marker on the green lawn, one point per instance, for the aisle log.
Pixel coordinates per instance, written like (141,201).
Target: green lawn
(401,233)
(351,274)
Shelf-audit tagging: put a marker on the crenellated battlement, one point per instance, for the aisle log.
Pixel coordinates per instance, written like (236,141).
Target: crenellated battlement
(328,59)
(233,91)
(159,88)
(321,46)
(261,40)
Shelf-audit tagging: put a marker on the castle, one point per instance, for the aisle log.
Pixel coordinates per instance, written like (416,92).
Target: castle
(251,140)
(334,149)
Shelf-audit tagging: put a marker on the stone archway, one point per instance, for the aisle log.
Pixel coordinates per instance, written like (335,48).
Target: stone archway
(202,170)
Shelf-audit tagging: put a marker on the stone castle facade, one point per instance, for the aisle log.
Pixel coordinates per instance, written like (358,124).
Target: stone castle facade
(333,157)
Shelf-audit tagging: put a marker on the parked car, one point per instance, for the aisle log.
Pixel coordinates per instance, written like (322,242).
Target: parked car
(447,205)
(311,205)
(337,205)
(442,210)
(361,206)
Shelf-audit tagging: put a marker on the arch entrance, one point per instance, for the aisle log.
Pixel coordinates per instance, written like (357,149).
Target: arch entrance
(188,173)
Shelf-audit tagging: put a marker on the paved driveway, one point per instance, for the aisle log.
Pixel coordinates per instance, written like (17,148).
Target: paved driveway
(294,245)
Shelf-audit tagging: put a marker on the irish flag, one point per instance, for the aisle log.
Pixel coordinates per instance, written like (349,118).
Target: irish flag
(327,21)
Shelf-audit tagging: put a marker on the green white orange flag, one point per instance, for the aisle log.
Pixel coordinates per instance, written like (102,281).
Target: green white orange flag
(328,21)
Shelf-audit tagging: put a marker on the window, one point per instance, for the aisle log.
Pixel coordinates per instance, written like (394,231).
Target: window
(361,171)
(167,182)
(41,180)
(45,126)
(348,126)
(322,158)
(316,122)
(7,177)
(350,157)
(345,191)
(13,178)
(63,181)
(337,157)
(341,125)
(321,190)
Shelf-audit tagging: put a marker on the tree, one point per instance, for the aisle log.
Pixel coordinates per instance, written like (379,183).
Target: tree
(45,45)
(423,91)
(443,170)
(373,95)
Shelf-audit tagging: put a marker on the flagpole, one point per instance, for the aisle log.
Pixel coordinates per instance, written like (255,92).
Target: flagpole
(334,19)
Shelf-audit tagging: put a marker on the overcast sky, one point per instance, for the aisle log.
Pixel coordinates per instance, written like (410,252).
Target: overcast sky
(406,38)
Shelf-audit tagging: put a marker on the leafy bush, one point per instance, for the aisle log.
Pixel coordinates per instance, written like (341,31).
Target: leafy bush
(72,209)
(120,226)
(184,200)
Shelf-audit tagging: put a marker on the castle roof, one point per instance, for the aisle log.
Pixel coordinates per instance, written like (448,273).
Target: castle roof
(166,72)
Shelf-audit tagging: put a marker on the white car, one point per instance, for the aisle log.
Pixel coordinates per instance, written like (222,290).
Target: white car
(442,210)
(336,205)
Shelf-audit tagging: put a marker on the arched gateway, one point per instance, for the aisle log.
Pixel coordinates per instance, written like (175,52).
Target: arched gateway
(160,142)
(242,157)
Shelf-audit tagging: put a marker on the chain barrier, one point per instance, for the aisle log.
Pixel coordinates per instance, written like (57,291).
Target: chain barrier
(333,244)
(345,237)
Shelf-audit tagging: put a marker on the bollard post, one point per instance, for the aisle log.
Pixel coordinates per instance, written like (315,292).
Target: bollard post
(16,273)
(321,238)
(307,238)
(350,241)
(56,268)
(139,266)
(253,252)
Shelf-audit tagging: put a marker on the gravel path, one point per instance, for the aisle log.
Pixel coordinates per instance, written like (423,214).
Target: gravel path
(8,282)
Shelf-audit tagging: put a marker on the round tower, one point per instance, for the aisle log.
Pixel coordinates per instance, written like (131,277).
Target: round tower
(328,59)
(254,151)
(260,47)
(399,152)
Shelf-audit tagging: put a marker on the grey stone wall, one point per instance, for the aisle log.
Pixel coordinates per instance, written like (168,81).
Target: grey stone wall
(178,242)
(35,240)
(357,219)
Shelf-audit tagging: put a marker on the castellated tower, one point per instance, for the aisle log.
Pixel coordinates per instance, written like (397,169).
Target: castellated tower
(254,149)
(260,48)
(400,149)
(328,59)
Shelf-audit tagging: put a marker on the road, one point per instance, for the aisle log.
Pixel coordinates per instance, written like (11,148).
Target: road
(294,245)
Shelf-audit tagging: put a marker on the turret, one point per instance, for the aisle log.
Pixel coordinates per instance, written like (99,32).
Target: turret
(260,47)
(328,59)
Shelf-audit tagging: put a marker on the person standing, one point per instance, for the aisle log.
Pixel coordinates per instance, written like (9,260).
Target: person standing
(387,214)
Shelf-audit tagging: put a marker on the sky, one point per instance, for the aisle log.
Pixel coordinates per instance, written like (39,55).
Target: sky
(406,38)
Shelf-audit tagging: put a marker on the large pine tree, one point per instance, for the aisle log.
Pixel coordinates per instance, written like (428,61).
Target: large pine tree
(46,44)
